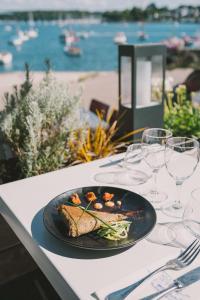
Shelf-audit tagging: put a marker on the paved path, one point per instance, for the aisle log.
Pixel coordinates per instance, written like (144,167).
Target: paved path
(98,85)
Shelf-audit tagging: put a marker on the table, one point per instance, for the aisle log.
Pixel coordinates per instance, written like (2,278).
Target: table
(75,273)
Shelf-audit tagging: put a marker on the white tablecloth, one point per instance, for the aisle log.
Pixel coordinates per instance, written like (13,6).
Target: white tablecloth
(76,273)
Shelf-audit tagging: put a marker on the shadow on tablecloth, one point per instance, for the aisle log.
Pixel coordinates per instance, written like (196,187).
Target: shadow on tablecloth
(44,239)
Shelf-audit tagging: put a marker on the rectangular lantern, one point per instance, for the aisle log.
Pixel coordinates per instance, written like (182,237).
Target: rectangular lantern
(141,86)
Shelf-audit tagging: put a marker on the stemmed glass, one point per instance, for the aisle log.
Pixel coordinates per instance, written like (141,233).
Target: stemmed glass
(191,215)
(153,149)
(181,159)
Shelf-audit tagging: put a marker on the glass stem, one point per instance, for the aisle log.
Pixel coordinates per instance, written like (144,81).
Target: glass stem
(155,188)
(177,204)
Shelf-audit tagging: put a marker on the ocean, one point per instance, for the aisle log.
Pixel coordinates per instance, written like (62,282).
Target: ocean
(99,53)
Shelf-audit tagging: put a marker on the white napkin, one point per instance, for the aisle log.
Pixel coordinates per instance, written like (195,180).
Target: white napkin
(154,284)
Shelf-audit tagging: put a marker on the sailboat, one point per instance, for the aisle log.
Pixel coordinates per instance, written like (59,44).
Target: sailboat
(142,35)
(31,32)
(5,58)
(70,40)
(120,38)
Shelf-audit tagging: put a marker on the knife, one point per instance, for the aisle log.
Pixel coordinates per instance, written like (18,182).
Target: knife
(135,156)
(178,284)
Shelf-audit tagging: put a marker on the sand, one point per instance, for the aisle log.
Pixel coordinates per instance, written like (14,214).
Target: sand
(95,85)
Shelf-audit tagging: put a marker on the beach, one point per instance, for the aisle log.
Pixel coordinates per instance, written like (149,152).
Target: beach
(95,85)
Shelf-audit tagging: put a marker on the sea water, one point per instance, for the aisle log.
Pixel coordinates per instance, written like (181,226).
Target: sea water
(99,53)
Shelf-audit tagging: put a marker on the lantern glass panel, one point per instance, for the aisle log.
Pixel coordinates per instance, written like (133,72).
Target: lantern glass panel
(157,79)
(143,81)
(126,82)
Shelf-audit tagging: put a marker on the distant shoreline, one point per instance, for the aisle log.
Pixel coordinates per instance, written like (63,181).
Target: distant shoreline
(189,13)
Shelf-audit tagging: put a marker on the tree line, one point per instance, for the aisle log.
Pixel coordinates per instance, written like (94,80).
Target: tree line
(150,13)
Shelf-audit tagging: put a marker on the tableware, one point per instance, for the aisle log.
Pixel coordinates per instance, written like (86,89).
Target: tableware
(173,234)
(132,156)
(153,148)
(179,283)
(112,163)
(191,215)
(140,227)
(182,261)
(124,177)
(181,159)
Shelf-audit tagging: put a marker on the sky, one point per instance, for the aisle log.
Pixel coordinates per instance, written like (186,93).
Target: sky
(91,5)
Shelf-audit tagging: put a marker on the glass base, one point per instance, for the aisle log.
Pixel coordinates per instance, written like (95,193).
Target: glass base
(172,234)
(129,178)
(162,235)
(173,210)
(156,198)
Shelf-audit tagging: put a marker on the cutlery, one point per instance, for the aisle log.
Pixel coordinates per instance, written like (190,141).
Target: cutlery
(138,158)
(178,284)
(112,162)
(182,261)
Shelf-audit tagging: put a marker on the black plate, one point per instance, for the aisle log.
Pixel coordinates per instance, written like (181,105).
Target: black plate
(140,226)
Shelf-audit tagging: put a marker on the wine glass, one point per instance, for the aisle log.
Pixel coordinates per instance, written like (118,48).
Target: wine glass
(181,159)
(191,215)
(153,149)
(132,158)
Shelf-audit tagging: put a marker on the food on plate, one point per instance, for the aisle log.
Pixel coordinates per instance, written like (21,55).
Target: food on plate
(98,205)
(107,196)
(80,221)
(75,199)
(109,204)
(119,203)
(118,231)
(91,196)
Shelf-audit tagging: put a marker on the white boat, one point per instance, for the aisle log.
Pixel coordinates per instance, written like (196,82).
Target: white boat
(72,51)
(120,38)
(142,36)
(68,37)
(83,34)
(175,43)
(32,33)
(16,41)
(23,36)
(5,58)
(8,28)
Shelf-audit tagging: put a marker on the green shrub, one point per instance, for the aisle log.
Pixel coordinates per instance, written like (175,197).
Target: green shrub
(35,125)
(181,116)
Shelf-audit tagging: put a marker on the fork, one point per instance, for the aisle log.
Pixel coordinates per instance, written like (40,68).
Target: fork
(182,261)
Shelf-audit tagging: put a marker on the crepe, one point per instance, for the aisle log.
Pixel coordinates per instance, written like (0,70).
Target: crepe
(81,222)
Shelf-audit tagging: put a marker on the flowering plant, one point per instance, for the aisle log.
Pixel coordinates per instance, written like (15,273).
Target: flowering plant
(181,116)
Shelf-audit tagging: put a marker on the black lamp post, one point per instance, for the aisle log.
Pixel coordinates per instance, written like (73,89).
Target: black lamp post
(141,85)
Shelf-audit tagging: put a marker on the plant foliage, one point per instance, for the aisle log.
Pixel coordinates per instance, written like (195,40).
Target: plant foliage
(88,144)
(35,125)
(181,116)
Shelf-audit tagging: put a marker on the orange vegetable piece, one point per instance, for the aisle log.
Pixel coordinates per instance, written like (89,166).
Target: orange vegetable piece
(75,199)
(107,196)
(91,196)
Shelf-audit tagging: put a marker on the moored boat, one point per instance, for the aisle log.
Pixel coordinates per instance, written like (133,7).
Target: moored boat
(120,38)
(16,41)
(142,36)
(8,28)
(5,58)
(72,51)
(32,33)
(83,34)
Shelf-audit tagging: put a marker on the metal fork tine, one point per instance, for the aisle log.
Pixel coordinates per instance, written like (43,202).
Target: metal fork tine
(188,249)
(193,256)
(190,253)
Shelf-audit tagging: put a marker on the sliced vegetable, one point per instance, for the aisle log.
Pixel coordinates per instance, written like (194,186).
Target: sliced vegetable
(118,231)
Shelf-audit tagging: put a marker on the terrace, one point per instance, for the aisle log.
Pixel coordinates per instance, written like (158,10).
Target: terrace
(130,136)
